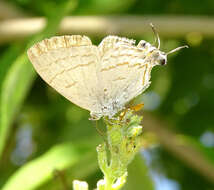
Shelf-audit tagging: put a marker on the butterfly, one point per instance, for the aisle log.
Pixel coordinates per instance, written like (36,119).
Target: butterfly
(101,79)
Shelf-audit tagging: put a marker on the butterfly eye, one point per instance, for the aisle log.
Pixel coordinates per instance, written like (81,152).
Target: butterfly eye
(163,61)
(143,44)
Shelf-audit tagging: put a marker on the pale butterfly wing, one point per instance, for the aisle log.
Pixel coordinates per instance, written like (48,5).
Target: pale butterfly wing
(69,64)
(123,73)
(109,42)
(100,79)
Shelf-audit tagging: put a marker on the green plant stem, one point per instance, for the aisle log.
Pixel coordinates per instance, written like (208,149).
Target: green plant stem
(109,183)
(123,142)
(122,145)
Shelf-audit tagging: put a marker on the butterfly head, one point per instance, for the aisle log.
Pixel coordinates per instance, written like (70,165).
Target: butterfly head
(159,58)
(153,53)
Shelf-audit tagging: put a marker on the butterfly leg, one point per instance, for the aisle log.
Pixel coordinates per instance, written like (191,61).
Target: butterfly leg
(108,121)
(133,108)
(122,114)
(137,107)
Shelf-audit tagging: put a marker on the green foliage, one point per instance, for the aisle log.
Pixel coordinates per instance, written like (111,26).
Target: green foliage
(13,94)
(123,142)
(142,180)
(62,137)
(21,72)
(103,7)
(40,170)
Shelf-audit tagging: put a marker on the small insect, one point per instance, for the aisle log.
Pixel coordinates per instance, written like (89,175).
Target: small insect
(101,79)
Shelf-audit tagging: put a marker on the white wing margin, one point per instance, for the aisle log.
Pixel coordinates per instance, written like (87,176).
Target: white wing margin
(69,64)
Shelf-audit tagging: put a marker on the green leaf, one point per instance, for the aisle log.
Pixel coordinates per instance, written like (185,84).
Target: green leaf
(20,76)
(85,167)
(37,172)
(7,59)
(14,89)
(138,175)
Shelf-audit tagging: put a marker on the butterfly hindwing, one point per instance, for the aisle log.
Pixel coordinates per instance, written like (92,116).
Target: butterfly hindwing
(68,64)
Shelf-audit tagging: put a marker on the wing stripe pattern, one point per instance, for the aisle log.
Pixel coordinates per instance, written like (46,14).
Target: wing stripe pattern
(66,63)
(101,79)
(121,61)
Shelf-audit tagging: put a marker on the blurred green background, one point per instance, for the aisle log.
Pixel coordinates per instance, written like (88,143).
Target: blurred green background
(46,141)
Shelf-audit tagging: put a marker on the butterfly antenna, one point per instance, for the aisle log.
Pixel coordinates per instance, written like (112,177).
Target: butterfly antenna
(177,49)
(157,38)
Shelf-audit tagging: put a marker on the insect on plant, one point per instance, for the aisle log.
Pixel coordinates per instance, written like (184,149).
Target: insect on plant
(102,79)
